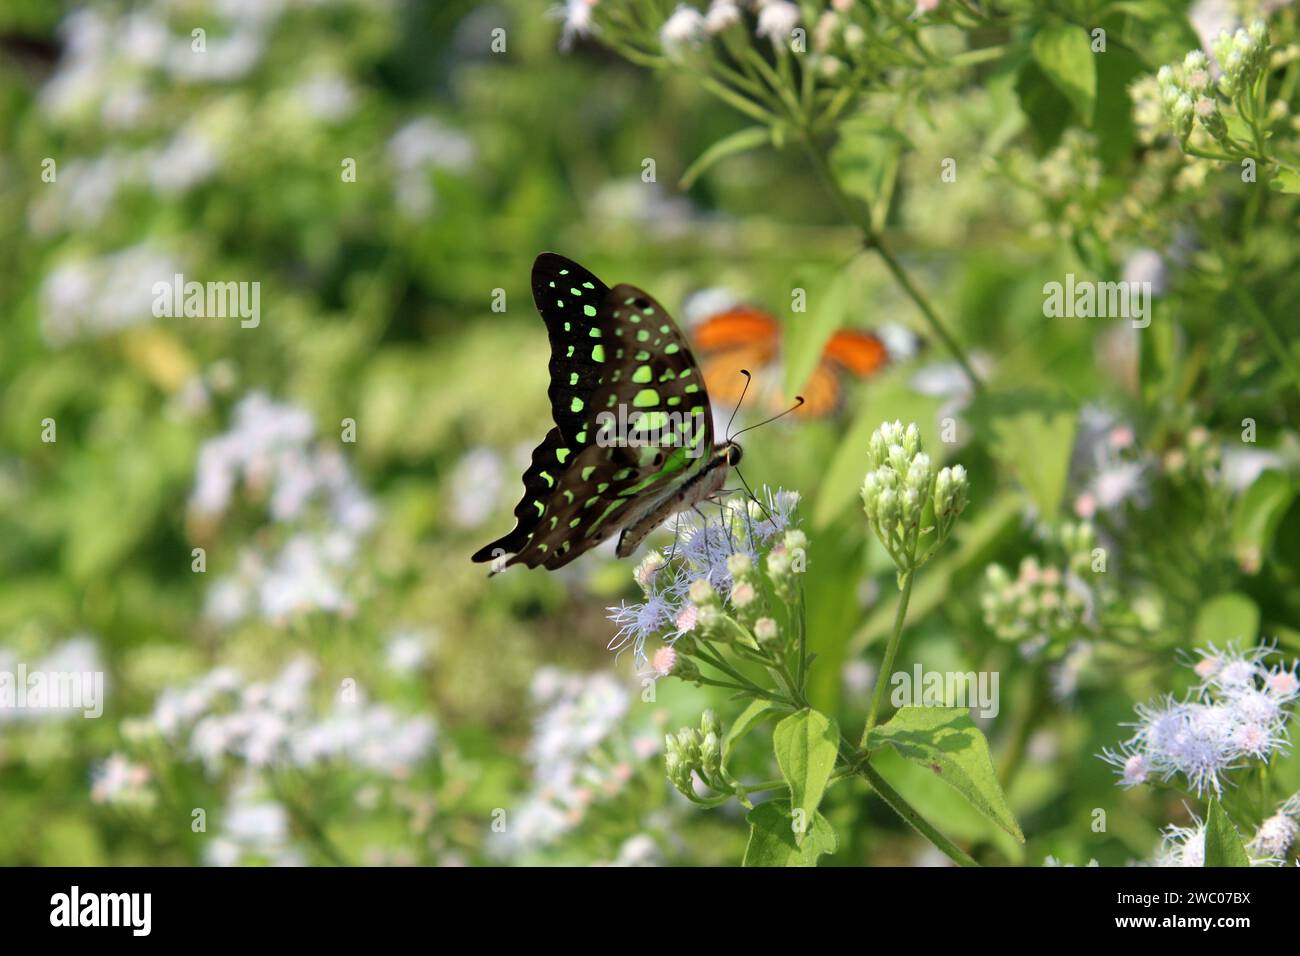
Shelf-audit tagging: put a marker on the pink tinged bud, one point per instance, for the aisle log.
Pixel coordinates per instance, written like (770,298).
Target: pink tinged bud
(686,619)
(665,659)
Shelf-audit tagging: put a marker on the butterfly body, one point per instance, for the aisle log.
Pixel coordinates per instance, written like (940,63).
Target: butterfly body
(703,485)
(616,355)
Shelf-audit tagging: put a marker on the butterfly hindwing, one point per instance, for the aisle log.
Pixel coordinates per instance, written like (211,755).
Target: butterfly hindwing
(540,480)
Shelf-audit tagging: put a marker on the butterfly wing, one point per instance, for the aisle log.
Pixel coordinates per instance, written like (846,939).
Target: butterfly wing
(568,298)
(742,337)
(860,353)
(643,365)
(847,352)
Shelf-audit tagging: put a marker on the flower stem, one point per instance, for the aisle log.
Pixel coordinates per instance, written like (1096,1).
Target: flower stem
(873,240)
(887,665)
(905,810)
(922,303)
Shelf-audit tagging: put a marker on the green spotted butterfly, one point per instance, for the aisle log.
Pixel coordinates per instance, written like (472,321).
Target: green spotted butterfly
(617,360)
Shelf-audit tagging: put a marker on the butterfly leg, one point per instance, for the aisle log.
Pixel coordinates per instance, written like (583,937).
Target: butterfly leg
(677,532)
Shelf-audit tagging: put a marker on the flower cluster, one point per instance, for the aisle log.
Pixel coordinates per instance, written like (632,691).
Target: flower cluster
(221,719)
(309,489)
(905,497)
(580,755)
(1237,713)
(1190,93)
(1107,468)
(1039,605)
(712,561)
(690,752)
(1185,845)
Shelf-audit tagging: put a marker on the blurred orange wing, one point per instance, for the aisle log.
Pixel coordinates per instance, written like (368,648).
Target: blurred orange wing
(859,353)
(743,325)
(740,337)
(822,393)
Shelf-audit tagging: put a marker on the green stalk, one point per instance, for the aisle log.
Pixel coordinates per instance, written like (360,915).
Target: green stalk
(887,665)
(873,240)
(905,810)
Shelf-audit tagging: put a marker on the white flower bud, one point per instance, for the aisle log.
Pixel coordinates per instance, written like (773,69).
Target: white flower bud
(739,565)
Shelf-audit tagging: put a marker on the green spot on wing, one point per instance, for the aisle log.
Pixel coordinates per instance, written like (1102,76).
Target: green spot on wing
(643,375)
(598,353)
(646,398)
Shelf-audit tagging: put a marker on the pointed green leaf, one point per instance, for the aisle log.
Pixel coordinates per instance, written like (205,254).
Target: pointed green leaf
(1222,841)
(1064,52)
(772,838)
(806,745)
(1033,435)
(945,740)
(741,141)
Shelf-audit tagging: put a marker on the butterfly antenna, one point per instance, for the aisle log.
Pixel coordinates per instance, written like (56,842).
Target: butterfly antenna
(748,378)
(753,497)
(798,401)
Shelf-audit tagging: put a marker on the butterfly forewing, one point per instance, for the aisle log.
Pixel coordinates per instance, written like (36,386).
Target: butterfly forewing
(645,378)
(569,299)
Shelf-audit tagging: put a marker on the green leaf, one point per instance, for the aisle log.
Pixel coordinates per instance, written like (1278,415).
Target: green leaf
(806,745)
(753,715)
(1227,617)
(945,740)
(741,141)
(1063,52)
(772,839)
(865,161)
(1259,512)
(1033,434)
(1222,841)
(1114,110)
(806,335)
(1285,181)
(1047,111)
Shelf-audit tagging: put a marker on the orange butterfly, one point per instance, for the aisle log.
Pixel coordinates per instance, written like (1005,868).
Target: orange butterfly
(747,337)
